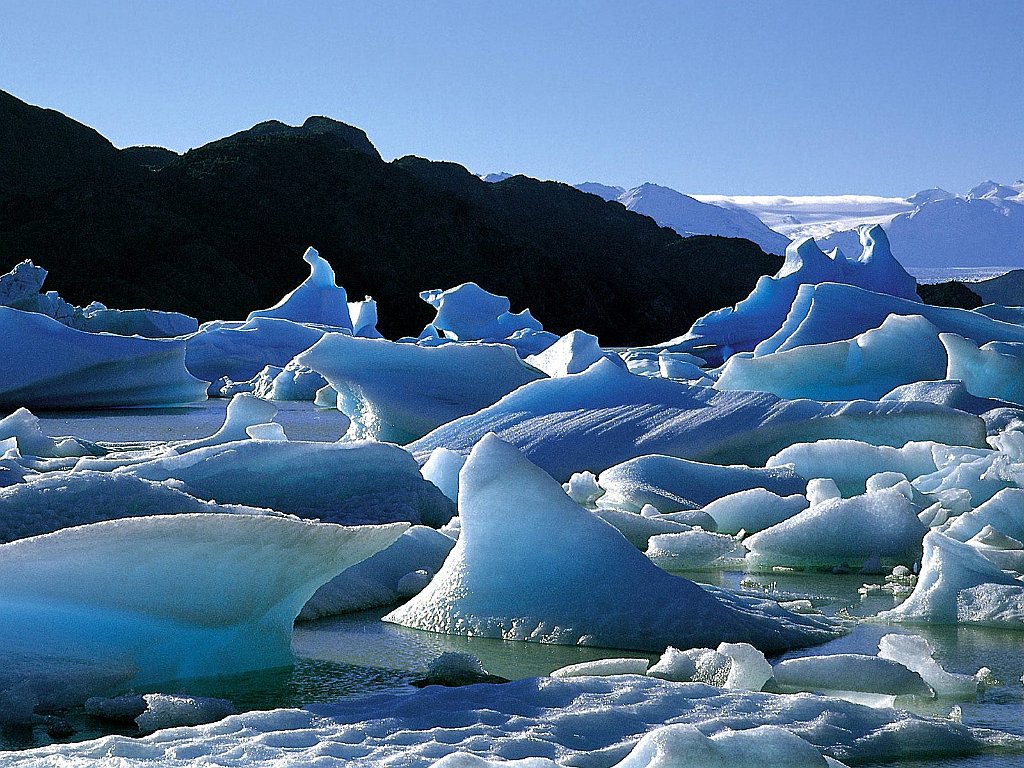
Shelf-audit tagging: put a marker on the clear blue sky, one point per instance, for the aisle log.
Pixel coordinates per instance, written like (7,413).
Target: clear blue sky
(723,96)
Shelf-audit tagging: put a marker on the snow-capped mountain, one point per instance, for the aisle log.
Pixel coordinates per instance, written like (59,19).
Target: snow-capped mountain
(689,216)
(983,228)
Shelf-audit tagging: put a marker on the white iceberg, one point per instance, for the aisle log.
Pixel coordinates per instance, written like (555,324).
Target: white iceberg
(986,370)
(866,367)
(49,365)
(532,565)
(754,510)
(238,351)
(317,301)
(176,596)
(572,353)
(958,585)
(605,415)
(849,672)
(916,653)
(354,482)
(469,313)
(880,524)
(399,392)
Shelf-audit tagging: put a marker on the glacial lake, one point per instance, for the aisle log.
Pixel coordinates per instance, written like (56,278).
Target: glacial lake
(357,653)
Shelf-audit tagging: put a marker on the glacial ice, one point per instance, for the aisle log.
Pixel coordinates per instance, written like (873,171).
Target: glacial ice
(916,653)
(689,550)
(986,370)
(349,483)
(317,301)
(572,353)
(469,313)
(834,312)
(958,585)
(24,427)
(848,672)
(49,365)
(527,553)
(604,667)
(753,510)
(720,334)
(670,483)
(114,591)
(637,528)
(866,367)
(238,351)
(399,392)
(880,524)
(590,722)
(442,469)
(243,411)
(1004,512)
(604,416)
(378,579)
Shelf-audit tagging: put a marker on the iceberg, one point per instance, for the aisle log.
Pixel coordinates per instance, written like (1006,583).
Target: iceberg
(176,597)
(589,722)
(879,524)
(572,353)
(986,371)
(469,313)
(834,312)
(958,585)
(720,334)
(399,392)
(25,429)
(753,510)
(866,367)
(49,365)
(532,565)
(317,301)
(354,482)
(849,672)
(238,351)
(915,653)
(605,415)
(669,483)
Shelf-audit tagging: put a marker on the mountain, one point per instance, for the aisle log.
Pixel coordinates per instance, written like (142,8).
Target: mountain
(219,230)
(689,216)
(983,228)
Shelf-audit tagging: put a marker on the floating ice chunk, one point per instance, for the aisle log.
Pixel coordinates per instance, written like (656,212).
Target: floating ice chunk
(48,365)
(239,351)
(984,371)
(243,411)
(590,722)
(849,672)
(605,415)
(573,353)
(49,501)
(898,480)
(842,532)
(675,665)
(200,594)
(382,578)
(326,397)
(832,312)
(171,711)
(358,482)
(527,552)
(1005,551)
(915,653)
(689,550)
(749,669)
(604,667)
(364,318)
(399,392)
(670,483)
(741,328)
(469,313)
(638,529)
(851,462)
(680,365)
(753,748)
(866,367)
(822,489)
(958,585)
(30,440)
(753,510)
(266,432)
(293,382)
(453,669)
(1004,512)
(582,488)
(317,301)
(442,469)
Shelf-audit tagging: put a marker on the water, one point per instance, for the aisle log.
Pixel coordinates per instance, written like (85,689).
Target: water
(357,653)
(963,274)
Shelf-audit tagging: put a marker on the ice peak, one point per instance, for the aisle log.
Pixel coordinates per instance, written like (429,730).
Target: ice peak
(800,254)
(321,274)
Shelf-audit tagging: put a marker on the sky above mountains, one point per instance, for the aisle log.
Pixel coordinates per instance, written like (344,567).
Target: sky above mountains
(724,97)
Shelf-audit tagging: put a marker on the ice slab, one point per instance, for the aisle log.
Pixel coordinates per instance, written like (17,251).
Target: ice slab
(589,722)
(354,482)
(48,365)
(985,371)
(866,367)
(399,392)
(604,416)
(958,585)
(175,596)
(317,301)
(880,524)
(239,351)
(753,510)
(30,440)
(527,554)
(669,483)
(849,672)
(915,653)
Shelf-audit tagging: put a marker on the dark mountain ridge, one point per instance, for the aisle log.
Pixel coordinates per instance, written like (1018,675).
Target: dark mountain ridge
(219,231)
